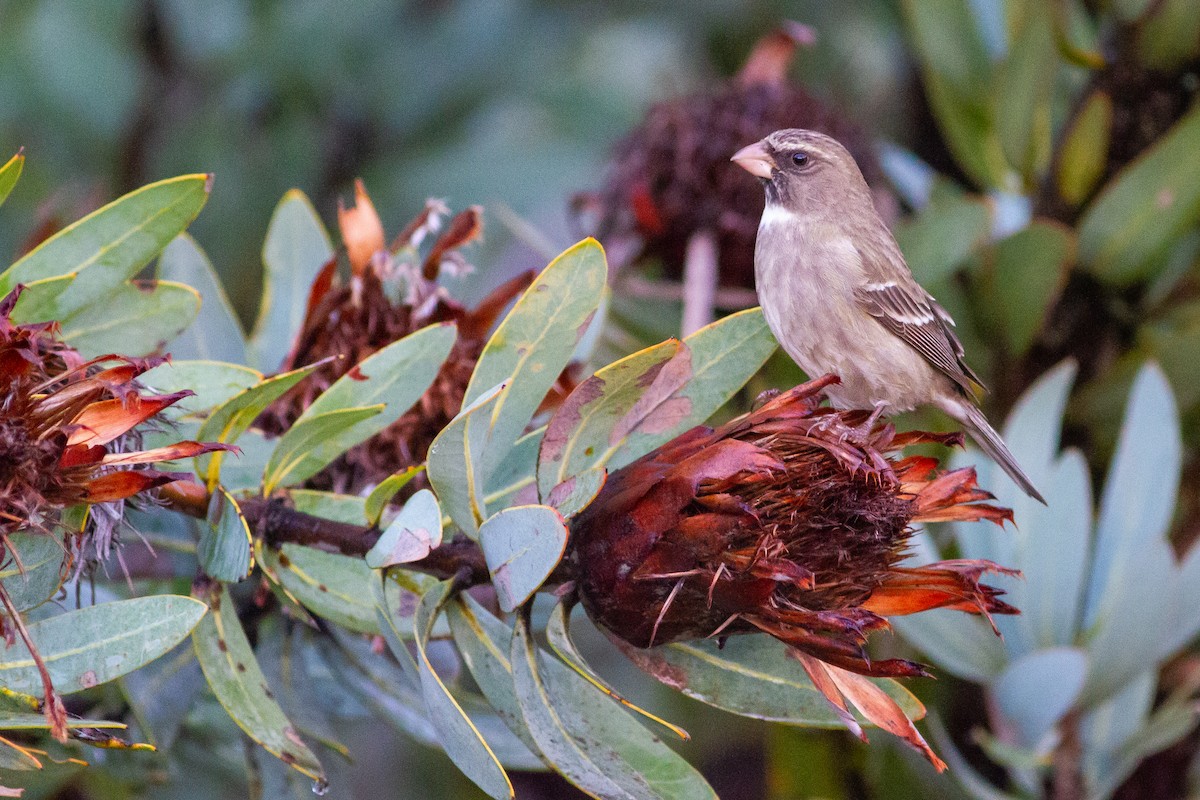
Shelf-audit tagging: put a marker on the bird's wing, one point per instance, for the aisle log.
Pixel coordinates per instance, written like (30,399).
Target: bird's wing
(911,313)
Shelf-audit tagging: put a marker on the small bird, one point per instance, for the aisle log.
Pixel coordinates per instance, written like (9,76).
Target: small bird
(838,296)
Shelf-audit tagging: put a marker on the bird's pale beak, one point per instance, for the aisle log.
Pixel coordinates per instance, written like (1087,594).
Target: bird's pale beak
(755,159)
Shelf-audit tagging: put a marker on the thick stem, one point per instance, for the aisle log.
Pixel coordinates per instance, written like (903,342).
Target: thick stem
(276,524)
(1067,780)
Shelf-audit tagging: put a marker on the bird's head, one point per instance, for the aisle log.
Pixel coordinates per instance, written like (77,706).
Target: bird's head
(804,170)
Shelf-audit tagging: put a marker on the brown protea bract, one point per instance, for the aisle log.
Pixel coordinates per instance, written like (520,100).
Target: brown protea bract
(65,426)
(390,293)
(671,176)
(792,520)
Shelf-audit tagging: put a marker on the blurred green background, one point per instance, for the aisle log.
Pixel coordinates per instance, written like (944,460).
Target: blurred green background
(1002,135)
(513,102)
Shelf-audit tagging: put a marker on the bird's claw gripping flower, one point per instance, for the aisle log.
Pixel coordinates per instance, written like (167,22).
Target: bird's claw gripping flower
(786,520)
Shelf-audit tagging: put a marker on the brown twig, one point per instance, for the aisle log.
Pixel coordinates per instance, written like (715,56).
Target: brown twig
(56,713)
(275,523)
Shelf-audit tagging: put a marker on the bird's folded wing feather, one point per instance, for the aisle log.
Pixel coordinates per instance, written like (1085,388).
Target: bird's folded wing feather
(911,313)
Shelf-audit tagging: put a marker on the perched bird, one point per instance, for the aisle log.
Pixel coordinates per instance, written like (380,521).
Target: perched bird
(839,297)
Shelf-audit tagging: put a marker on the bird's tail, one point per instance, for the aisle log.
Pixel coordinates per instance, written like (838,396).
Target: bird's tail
(990,442)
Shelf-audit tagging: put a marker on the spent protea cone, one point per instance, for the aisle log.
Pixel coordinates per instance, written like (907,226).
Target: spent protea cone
(792,521)
(391,291)
(670,178)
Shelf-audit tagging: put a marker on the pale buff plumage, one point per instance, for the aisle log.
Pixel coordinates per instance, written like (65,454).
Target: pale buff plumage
(839,297)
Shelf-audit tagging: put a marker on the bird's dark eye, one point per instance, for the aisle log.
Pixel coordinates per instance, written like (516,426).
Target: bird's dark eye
(800,159)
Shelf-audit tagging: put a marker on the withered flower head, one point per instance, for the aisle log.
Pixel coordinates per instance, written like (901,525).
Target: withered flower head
(67,426)
(391,292)
(670,178)
(791,521)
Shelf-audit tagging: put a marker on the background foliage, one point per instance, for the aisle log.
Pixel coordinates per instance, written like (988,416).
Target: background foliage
(1045,158)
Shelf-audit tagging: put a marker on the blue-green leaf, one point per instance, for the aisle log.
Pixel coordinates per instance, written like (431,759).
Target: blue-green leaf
(95,644)
(310,444)
(34,567)
(588,738)
(214,382)
(455,460)
(110,245)
(534,342)
(238,682)
(133,319)
(459,736)
(216,334)
(296,247)
(1033,693)
(397,375)
(329,585)
(382,494)
(522,546)
(225,543)
(415,531)
(9,174)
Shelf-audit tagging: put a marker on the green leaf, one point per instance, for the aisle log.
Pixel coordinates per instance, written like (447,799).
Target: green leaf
(35,565)
(1126,232)
(455,460)
(296,248)
(214,382)
(377,501)
(216,334)
(752,676)
(238,682)
(347,508)
(293,459)
(558,636)
(397,375)
(514,480)
(329,585)
(577,492)
(1025,275)
(1169,37)
(1139,490)
(225,542)
(533,344)
(958,76)
(578,436)
(39,300)
(96,644)
(230,419)
(9,174)
(1083,153)
(33,721)
(522,546)
(459,736)
(415,531)
(723,357)
(484,643)
(941,237)
(161,694)
(134,319)
(1023,87)
(588,738)
(109,246)
(1034,692)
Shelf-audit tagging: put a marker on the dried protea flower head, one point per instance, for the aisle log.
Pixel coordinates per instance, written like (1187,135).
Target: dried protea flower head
(671,177)
(67,431)
(391,292)
(791,520)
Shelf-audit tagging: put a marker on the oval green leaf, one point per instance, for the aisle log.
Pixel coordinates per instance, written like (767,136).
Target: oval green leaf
(93,645)
(110,245)
(296,247)
(415,531)
(134,319)
(214,382)
(238,682)
(310,444)
(522,546)
(225,543)
(216,334)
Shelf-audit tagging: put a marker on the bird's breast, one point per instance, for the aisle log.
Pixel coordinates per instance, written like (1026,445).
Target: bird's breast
(806,273)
